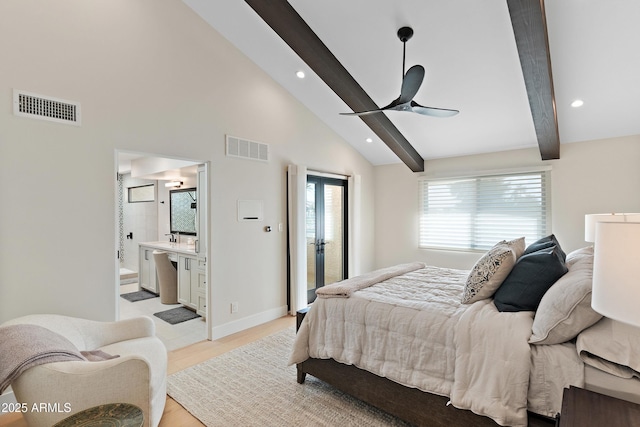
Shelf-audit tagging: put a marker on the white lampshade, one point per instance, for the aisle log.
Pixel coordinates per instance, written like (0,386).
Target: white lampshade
(616,271)
(590,221)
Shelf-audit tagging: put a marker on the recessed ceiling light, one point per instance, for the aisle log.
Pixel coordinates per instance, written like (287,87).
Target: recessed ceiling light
(369,140)
(300,74)
(577,103)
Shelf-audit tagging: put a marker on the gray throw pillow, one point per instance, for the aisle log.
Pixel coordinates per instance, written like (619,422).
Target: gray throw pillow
(565,310)
(529,279)
(545,242)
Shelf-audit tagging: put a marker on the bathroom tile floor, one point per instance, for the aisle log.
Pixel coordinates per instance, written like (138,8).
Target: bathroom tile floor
(173,336)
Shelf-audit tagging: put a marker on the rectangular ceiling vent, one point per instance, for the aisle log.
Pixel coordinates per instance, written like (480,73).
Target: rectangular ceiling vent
(245,149)
(42,107)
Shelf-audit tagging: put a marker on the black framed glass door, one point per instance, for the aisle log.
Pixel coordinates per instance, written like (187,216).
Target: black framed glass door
(326,232)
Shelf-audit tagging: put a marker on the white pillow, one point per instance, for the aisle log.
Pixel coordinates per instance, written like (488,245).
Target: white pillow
(488,273)
(565,309)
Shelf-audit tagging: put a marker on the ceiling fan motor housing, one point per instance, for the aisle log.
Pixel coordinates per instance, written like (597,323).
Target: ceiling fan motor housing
(405,33)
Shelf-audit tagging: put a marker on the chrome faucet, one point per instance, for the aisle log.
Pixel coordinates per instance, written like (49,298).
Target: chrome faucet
(172,237)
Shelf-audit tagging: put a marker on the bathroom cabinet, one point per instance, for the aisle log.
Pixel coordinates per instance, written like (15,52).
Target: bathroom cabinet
(147,269)
(192,283)
(192,275)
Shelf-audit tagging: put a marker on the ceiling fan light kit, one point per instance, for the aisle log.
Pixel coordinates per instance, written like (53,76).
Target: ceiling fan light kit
(411,81)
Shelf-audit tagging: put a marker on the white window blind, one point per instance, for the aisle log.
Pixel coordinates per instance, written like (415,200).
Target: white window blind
(477,212)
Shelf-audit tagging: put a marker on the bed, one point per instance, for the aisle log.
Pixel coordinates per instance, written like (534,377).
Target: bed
(431,346)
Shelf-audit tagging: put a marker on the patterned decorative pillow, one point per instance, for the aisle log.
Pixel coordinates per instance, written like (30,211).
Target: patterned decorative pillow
(488,273)
(517,245)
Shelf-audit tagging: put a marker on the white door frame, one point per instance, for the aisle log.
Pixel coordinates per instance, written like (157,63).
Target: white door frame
(206,236)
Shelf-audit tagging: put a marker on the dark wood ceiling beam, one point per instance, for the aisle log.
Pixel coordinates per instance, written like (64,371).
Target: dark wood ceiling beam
(530,29)
(286,22)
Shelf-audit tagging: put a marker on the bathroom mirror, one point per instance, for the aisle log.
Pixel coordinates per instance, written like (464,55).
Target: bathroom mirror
(182,208)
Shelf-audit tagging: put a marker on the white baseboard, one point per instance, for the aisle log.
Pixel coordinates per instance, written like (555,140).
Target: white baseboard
(248,322)
(7,397)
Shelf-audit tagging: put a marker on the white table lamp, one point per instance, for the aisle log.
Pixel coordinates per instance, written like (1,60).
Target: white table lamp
(590,221)
(616,271)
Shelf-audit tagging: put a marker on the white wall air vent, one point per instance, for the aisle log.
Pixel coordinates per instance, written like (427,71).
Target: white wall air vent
(245,149)
(26,104)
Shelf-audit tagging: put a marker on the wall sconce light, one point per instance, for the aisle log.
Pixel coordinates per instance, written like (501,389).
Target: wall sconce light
(173,184)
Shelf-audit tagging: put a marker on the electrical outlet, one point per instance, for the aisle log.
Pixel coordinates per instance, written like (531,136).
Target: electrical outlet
(234,307)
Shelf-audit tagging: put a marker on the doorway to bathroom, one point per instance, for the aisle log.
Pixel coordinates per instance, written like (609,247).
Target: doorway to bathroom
(153,215)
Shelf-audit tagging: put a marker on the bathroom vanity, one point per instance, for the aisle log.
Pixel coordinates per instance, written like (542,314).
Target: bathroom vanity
(192,285)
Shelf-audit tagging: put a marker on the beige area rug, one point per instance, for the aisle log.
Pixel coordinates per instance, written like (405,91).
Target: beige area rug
(253,386)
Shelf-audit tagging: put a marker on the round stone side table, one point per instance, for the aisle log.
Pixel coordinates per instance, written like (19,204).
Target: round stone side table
(109,415)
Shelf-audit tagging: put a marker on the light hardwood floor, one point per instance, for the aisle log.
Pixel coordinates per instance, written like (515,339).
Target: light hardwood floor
(174,414)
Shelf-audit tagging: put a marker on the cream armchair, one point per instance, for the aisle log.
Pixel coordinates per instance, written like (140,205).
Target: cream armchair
(138,376)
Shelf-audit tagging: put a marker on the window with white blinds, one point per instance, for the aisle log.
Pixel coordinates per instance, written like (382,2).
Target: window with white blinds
(477,212)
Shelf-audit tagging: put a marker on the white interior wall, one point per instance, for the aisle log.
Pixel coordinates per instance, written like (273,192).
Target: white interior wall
(590,177)
(151,77)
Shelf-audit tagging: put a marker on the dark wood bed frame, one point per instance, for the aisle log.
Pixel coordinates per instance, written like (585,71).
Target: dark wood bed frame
(409,404)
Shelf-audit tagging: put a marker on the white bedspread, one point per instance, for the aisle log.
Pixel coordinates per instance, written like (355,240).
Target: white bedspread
(346,288)
(398,332)
(553,368)
(612,347)
(492,363)
(413,330)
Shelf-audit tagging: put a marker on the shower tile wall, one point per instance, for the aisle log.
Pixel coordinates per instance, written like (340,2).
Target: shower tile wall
(140,218)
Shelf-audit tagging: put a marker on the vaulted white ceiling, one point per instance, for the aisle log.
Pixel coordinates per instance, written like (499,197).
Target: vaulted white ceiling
(469,52)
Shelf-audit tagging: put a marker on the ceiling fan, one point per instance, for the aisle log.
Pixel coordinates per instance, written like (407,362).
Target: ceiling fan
(411,81)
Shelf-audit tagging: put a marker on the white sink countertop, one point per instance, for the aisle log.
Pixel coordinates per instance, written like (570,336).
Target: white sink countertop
(171,247)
